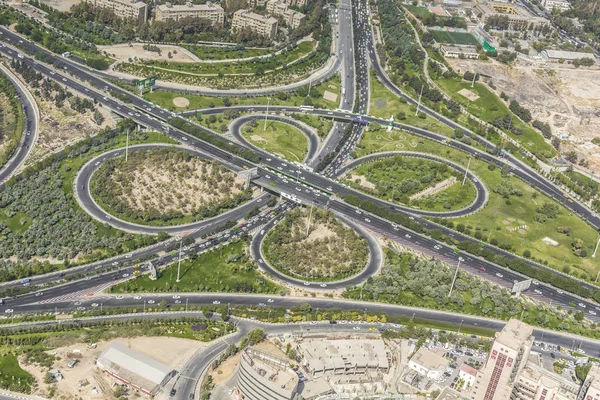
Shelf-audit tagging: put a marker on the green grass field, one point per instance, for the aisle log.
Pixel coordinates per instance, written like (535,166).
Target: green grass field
(279,138)
(321,124)
(453,37)
(489,221)
(12,376)
(418,11)
(210,272)
(384,104)
(488,106)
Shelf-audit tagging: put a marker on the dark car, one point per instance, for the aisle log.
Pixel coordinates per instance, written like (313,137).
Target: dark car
(552,355)
(173,391)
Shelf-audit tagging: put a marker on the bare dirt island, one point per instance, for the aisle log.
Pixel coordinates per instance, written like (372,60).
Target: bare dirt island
(565,97)
(124,52)
(86,381)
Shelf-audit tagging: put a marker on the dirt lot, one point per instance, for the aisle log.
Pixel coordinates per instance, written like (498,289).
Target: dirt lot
(170,351)
(565,97)
(61,5)
(124,52)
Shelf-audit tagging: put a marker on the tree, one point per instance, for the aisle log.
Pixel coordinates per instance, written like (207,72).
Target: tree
(255,336)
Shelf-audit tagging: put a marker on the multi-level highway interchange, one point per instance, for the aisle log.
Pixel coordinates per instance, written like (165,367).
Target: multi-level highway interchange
(353,54)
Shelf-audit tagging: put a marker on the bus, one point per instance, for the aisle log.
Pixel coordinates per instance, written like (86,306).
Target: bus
(307,108)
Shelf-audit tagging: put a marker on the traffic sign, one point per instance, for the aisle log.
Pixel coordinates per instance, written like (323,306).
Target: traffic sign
(146,83)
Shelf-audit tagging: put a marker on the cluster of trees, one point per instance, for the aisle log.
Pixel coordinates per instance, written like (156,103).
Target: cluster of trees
(408,280)
(543,127)
(9,120)
(520,111)
(340,252)
(397,178)
(122,188)
(433,20)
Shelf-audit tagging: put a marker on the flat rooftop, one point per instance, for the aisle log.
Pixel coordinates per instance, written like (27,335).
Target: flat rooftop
(514,334)
(283,377)
(429,360)
(364,353)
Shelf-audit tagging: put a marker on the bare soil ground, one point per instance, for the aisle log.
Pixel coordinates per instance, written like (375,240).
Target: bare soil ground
(125,52)
(181,185)
(7,122)
(181,102)
(565,97)
(320,231)
(173,352)
(61,5)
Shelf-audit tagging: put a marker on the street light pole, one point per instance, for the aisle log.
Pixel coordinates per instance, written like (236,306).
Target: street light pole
(466,171)
(455,275)
(267,114)
(460,326)
(144,305)
(309,218)
(127,146)
(419,103)
(179,262)
(596,249)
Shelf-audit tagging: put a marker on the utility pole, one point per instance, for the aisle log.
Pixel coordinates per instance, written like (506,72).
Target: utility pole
(455,275)
(127,146)
(419,103)
(144,305)
(474,76)
(460,326)
(309,218)
(186,304)
(267,114)
(179,262)
(466,171)
(309,87)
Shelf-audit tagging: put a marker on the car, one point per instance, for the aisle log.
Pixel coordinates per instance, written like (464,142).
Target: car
(367,220)
(115,263)
(9,311)
(552,355)
(581,305)
(356,328)
(151,302)
(323,285)
(125,275)
(77,303)
(28,133)
(216,302)
(262,305)
(592,312)
(94,304)
(119,297)
(270,301)
(172,393)
(407,236)
(177,301)
(482,268)
(499,275)
(175,296)
(137,297)
(559,291)
(38,294)
(306,283)
(358,212)
(537,291)
(184,138)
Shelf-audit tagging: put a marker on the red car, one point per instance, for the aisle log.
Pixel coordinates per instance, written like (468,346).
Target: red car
(482,268)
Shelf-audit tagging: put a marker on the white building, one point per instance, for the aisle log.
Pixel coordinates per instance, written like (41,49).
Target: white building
(468,374)
(561,5)
(465,51)
(555,55)
(209,11)
(292,18)
(134,9)
(264,26)
(428,363)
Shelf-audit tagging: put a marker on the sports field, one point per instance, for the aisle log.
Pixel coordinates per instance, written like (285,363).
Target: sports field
(454,37)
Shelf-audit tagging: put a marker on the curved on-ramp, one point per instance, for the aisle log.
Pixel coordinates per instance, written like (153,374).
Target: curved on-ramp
(87,202)
(313,138)
(481,197)
(32,118)
(372,268)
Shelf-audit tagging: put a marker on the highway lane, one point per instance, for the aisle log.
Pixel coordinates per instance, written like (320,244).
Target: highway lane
(87,202)
(564,339)
(219,154)
(30,131)
(235,128)
(372,268)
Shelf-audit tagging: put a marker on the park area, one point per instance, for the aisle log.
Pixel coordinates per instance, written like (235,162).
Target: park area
(166,186)
(414,182)
(516,217)
(278,138)
(325,250)
(443,36)
(226,268)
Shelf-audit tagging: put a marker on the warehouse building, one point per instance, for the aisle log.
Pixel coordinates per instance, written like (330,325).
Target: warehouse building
(555,55)
(135,369)
(209,11)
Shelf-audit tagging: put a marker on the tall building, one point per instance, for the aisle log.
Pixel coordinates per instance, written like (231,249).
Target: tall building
(135,9)
(264,26)
(590,390)
(209,11)
(507,359)
(292,18)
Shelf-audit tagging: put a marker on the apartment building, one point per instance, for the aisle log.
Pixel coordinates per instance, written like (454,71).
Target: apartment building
(209,11)
(561,5)
(590,390)
(296,3)
(292,18)
(264,26)
(507,359)
(130,9)
(536,383)
(257,3)
(516,14)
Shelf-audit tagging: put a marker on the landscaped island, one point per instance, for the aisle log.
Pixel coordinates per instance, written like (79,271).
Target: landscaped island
(330,251)
(166,186)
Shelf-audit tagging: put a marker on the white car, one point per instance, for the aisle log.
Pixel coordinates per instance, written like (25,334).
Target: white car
(356,328)
(176,296)
(38,294)
(216,302)
(592,312)
(581,305)
(323,285)
(559,291)
(77,303)
(367,220)
(94,304)
(9,311)
(151,302)
(407,236)
(119,297)
(306,283)
(125,275)
(358,212)
(270,301)
(138,297)
(177,301)
(115,263)
(499,275)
